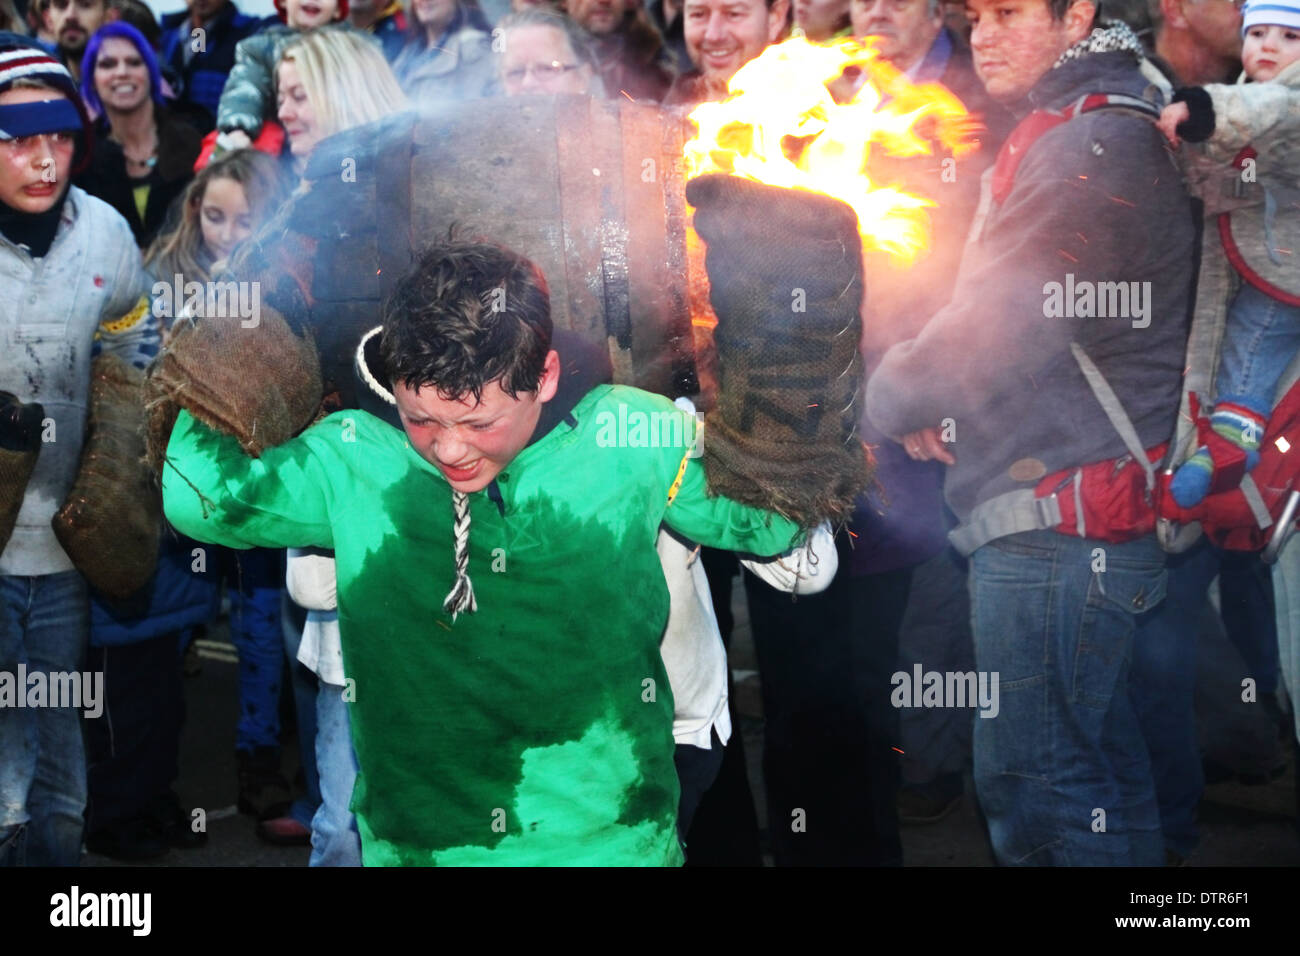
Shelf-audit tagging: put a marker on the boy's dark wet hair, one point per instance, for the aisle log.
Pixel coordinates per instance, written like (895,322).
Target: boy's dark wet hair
(468,313)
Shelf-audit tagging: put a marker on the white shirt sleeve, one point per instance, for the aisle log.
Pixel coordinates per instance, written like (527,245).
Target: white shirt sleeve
(311,580)
(804,570)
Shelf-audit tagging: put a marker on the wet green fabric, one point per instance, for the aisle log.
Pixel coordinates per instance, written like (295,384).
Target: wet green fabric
(537,730)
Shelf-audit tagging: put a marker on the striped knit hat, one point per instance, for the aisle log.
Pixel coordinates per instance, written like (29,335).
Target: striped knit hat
(22,59)
(1282,13)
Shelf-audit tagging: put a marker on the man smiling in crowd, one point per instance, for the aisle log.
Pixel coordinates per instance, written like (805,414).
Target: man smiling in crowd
(721,37)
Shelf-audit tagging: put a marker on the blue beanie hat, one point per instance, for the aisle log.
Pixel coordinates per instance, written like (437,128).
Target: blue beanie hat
(1282,13)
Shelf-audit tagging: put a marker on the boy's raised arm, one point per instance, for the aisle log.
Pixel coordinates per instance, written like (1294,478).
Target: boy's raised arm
(214,492)
(719,522)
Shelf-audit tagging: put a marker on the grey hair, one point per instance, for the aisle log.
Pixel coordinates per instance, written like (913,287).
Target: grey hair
(574,34)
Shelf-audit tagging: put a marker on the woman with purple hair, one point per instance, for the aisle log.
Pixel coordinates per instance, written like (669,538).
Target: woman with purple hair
(144,152)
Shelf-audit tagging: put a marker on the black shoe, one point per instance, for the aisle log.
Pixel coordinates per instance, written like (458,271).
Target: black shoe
(175,825)
(132,840)
(263,791)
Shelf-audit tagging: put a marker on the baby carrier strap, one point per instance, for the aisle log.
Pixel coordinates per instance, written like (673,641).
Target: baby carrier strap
(1032,127)
(1029,509)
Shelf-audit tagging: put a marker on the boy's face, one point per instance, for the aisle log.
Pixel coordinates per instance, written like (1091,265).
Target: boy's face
(34,169)
(1268,50)
(304,14)
(471,443)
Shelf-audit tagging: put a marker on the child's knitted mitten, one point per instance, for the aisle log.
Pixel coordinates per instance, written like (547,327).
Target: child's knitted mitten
(1236,426)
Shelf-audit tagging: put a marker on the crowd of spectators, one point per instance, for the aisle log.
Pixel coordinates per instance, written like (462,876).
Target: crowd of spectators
(202,123)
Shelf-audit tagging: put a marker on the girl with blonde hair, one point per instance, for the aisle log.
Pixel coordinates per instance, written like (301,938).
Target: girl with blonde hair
(223,205)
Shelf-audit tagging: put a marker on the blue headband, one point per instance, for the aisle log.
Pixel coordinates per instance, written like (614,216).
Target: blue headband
(33,119)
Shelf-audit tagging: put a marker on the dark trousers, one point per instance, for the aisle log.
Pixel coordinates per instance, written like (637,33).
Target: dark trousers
(829,762)
(133,748)
(697,769)
(724,830)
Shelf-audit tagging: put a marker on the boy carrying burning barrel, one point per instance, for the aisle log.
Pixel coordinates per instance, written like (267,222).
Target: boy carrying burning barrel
(500,598)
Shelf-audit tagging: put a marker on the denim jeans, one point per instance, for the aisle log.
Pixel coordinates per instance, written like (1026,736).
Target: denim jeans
(1062,771)
(329,763)
(1164,682)
(1259,341)
(44,625)
(335,840)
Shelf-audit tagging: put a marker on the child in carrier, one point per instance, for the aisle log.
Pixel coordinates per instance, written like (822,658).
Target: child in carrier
(1256,121)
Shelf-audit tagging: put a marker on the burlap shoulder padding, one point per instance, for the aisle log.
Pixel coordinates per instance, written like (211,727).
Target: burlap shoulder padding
(785,274)
(111,522)
(255,380)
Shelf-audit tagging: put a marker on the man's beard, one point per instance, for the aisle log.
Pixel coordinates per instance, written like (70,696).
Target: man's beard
(80,44)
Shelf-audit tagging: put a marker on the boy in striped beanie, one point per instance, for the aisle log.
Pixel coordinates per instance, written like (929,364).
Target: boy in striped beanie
(71,284)
(38,103)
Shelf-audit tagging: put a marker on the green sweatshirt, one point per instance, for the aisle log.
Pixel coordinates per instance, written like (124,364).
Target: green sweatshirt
(537,730)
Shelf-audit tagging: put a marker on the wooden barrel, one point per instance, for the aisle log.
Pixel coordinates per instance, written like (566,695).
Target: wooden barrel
(591,190)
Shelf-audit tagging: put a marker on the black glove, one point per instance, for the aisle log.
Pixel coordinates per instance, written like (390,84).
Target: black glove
(20,424)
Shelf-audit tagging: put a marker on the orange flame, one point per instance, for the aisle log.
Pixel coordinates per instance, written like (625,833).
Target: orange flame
(782,126)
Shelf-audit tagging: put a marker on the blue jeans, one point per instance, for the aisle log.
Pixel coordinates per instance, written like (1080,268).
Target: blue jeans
(1259,341)
(1062,771)
(335,840)
(329,764)
(44,625)
(1164,681)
